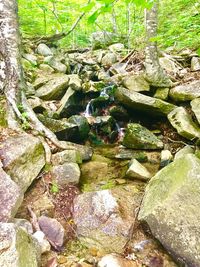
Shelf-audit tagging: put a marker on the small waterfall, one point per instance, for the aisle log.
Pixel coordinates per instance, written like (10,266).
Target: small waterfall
(120,131)
(89,109)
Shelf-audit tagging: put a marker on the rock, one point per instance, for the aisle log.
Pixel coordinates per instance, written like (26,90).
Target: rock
(82,124)
(109,59)
(53,231)
(94,171)
(102,39)
(185,92)
(118,69)
(37,104)
(106,124)
(162,93)
(168,65)
(46,68)
(23,223)
(27,65)
(119,113)
(118,47)
(115,260)
(139,137)
(138,171)
(195,104)
(165,158)
(56,64)
(136,83)
(23,158)
(137,101)
(42,80)
(195,64)
(67,173)
(43,243)
(43,205)
(18,248)
(32,58)
(182,122)
(183,152)
(104,218)
(171,208)
(54,89)
(44,50)
(91,86)
(10,197)
(75,82)
(66,156)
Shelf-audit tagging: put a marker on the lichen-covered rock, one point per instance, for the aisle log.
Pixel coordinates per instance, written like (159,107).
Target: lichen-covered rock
(139,137)
(54,88)
(23,157)
(137,101)
(66,156)
(162,93)
(10,197)
(104,218)
(195,104)
(182,122)
(171,208)
(183,152)
(138,171)
(136,83)
(17,247)
(185,92)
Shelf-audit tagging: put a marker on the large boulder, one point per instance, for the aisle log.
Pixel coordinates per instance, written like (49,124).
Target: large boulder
(10,197)
(18,248)
(66,156)
(137,101)
(185,92)
(104,218)
(171,208)
(182,122)
(22,157)
(136,83)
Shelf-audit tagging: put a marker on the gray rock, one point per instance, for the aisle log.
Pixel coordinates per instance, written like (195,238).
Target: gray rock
(75,82)
(138,171)
(118,47)
(66,156)
(136,83)
(54,88)
(183,152)
(182,122)
(23,223)
(171,208)
(109,59)
(185,92)
(139,137)
(195,64)
(168,65)
(18,248)
(32,58)
(10,197)
(195,104)
(44,50)
(67,173)
(104,218)
(165,158)
(23,158)
(102,39)
(46,68)
(56,64)
(137,101)
(37,104)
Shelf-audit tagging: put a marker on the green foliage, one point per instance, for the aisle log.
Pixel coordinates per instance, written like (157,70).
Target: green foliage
(54,188)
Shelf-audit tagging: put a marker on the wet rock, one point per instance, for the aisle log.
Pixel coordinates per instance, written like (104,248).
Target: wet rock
(32,58)
(23,158)
(162,93)
(55,88)
(104,218)
(138,171)
(118,47)
(139,137)
(66,156)
(67,173)
(109,59)
(10,197)
(165,158)
(116,260)
(136,83)
(75,82)
(82,124)
(137,101)
(185,92)
(183,152)
(104,123)
(195,104)
(53,231)
(195,64)
(18,248)
(44,50)
(182,122)
(170,208)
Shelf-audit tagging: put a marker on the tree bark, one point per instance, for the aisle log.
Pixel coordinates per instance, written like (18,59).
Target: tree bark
(154,72)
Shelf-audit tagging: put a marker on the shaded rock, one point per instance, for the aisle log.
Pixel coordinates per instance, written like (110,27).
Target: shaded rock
(10,197)
(66,156)
(182,122)
(54,89)
(42,80)
(82,124)
(44,50)
(195,64)
(136,83)
(18,248)
(162,93)
(37,104)
(118,69)
(137,101)
(118,47)
(116,260)
(195,104)
(109,59)
(23,158)
(183,152)
(165,158)
(67,173)
(119,113)
(170,208)
(185,92)
(139,137)
(138,171)
(104,123)
(53,231)
(32,58)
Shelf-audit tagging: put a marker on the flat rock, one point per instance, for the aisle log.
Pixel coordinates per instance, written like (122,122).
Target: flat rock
(136,83)
(137,101)
(182,122)
(138,171)
(195,104)
(138,137)
(18,248)
(171,208)
(104,218)
(10,197)
(23,158)
(185,92)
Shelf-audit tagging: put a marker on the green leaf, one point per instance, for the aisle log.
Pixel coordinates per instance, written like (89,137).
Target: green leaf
(54,188)
(93,17)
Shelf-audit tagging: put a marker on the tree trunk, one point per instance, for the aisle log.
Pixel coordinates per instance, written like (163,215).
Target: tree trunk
(154,72)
